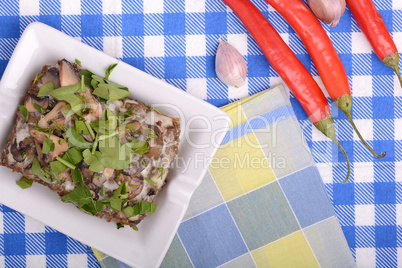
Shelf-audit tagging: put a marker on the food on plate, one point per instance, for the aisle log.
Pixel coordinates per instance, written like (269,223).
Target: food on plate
(83,137)
(323,54)
(372,25)
(289,68)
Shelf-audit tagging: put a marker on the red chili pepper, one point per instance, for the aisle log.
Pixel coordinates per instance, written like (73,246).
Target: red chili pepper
(323,54)
(289,68)
(371,23)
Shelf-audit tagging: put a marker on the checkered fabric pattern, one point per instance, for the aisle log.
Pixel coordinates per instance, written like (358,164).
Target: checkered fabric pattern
(25,242)
(267,205)
(176,40)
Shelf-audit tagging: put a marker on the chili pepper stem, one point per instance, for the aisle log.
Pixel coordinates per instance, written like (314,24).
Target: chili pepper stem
(344,104)
(393,62)
(326,126)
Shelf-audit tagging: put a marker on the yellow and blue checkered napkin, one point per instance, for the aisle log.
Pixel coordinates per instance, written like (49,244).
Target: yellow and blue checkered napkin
(263,202)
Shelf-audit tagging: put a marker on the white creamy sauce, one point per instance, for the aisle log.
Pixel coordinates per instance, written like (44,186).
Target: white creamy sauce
(153,117)
(69,186)
(146,171)
(118,105)
(111,106)
(22,132)
(10,158)
(111,185)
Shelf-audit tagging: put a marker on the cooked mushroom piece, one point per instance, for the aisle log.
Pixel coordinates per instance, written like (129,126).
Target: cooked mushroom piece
(95,108)
(55,115)
(31,99)
(106,175)
(60,145)
(66,175)
(68,74)
(18,153)
(155,145)
(52,75)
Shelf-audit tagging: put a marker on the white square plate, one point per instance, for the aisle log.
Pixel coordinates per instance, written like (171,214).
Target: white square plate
(203,128)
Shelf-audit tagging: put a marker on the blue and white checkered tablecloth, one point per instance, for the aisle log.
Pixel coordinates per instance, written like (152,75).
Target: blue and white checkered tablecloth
(176,40)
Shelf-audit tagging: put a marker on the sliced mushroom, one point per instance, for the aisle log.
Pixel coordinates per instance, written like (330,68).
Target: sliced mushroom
(68,74)
(154,151)
(52,75)
(98,181)
(61,145)
(106,175)
(135,186)
(39,151)
(128,132)
(55,115)
(18,152)
(88,138)
(155,145)
(31,118)
(66,175)
(31,99)
(95,108)
(86,173)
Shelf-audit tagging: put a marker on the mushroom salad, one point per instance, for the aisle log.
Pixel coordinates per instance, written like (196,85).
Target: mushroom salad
(83,137)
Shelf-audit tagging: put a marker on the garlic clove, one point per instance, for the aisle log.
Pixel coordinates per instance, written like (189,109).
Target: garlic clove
(328,11)
(230,66)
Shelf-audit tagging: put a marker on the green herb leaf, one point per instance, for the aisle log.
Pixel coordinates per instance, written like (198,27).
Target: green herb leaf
(37,77)
(113,154)
(126,113)
(87,77)
(38,171)
(135,228)
(46,89)
(73,155)
(57,166)
(25,183)
(150,181)
(40,109)
(140,208)
(98,78)
(93,207)
(118,199)
(161,172)
(102,190)
(78,62)
(76,175)
(119,225)
(65,162)
(94,83)
(78,195)
(48,146)
(92,161)
(81,127)
(24,111)
(110,93)
(82,195)
(140,147)
(76,140)
(110,69)
(151,135)
(68,94)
